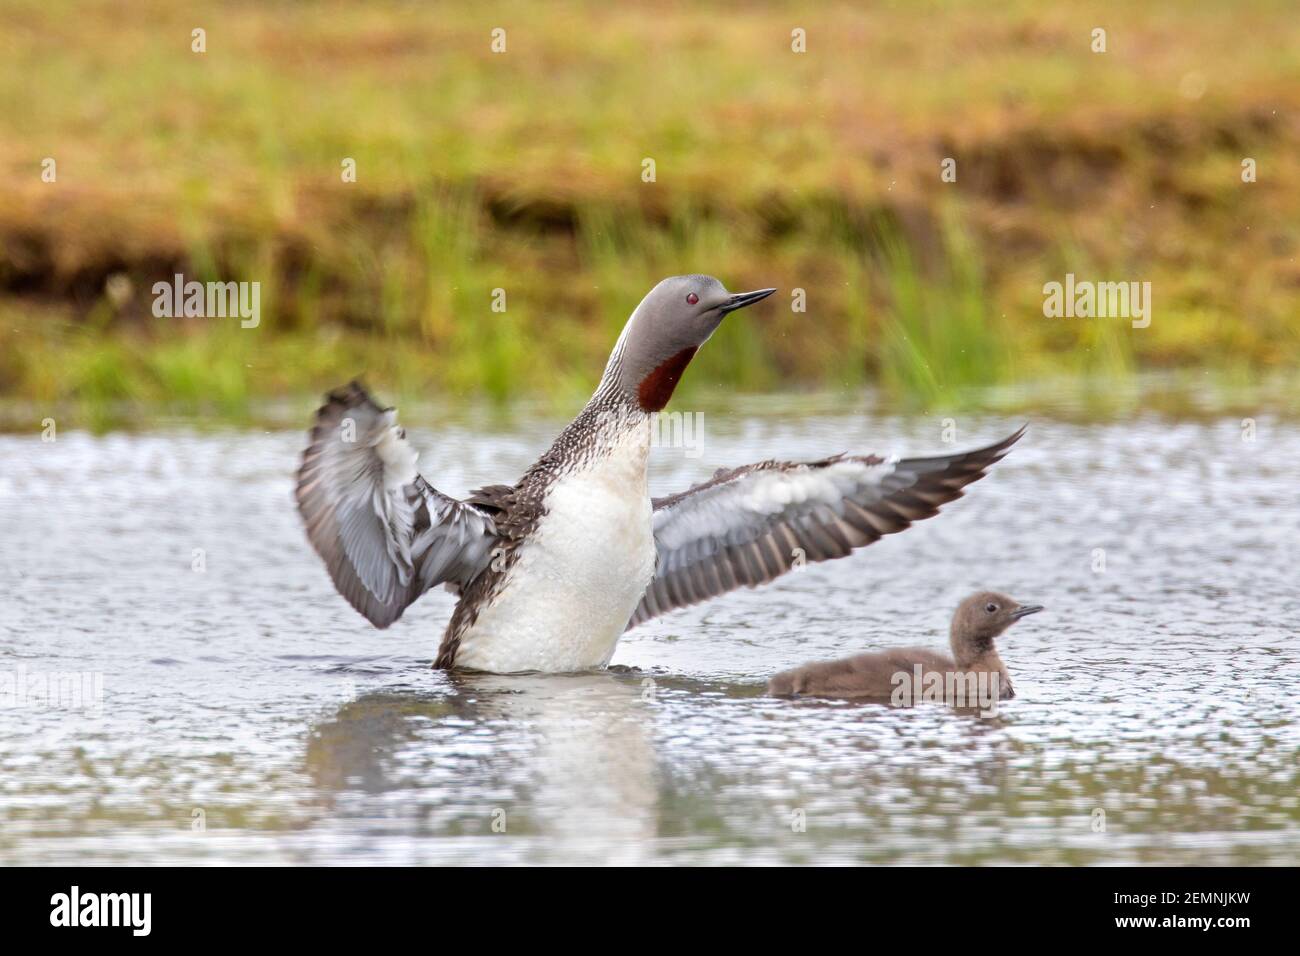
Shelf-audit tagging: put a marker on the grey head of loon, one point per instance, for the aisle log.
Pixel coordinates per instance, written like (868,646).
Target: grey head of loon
(674,319)
(980,619)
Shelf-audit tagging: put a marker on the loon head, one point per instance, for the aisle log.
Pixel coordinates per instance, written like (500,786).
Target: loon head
(981,618)
(674,319)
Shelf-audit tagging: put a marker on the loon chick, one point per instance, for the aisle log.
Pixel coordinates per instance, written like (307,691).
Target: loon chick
(552,570)
(979,619)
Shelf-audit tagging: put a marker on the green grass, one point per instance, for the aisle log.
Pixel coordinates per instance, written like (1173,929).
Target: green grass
(940,336)
(521,172)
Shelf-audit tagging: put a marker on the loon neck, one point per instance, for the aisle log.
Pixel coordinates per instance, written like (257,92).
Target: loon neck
(639,381)
(609,424)
(977,655)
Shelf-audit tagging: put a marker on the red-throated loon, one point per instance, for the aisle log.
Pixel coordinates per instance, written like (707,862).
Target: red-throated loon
(978,622)
(553,569)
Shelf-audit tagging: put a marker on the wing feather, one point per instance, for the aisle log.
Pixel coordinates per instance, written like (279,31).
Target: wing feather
(749,525)
(385,534)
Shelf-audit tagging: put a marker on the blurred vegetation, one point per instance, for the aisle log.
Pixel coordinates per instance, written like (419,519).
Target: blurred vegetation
(522,171)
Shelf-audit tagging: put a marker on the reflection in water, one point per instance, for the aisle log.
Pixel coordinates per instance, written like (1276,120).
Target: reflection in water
(593,768)
(571,760)
(1157,717)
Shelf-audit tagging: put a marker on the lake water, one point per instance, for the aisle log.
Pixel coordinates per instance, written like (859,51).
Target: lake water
(235,709)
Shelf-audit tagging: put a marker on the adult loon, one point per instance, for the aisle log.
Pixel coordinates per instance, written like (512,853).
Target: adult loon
(553,569)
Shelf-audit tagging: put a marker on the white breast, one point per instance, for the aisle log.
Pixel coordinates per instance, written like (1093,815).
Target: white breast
(579,575)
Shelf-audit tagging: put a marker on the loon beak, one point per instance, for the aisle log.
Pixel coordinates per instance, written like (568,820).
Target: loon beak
(1025,610)
(742,299)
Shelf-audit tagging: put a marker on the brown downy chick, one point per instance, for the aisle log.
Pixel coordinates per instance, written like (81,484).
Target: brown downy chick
(979,620)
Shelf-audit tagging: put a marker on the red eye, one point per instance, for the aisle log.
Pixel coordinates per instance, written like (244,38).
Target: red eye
(692,298)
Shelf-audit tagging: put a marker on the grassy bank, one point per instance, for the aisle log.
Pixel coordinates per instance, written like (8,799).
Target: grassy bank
(522,171)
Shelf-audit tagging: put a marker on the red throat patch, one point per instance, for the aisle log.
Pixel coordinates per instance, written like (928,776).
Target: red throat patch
(657,387)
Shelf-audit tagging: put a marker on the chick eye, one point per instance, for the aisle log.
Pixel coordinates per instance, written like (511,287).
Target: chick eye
(692,298)
(990,608)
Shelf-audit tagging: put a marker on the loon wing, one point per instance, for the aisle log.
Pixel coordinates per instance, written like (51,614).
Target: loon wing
(386,535)
(752,524)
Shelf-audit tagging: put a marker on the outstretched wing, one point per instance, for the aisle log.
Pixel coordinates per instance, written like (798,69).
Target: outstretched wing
(752,524)
(385,534)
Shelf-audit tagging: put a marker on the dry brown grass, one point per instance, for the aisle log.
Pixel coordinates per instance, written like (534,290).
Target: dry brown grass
(521,171)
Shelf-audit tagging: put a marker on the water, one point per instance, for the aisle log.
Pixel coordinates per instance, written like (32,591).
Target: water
(249,715)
